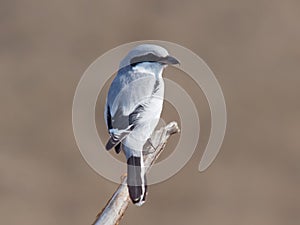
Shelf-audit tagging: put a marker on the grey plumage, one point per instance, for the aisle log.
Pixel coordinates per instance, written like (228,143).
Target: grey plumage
(133,107)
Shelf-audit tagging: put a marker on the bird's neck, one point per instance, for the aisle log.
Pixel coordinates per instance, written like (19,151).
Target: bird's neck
(154,68)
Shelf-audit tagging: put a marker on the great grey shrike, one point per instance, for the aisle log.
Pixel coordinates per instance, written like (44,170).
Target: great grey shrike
(133,108)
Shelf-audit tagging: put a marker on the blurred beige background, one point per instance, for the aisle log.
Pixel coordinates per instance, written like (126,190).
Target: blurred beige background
(252,47)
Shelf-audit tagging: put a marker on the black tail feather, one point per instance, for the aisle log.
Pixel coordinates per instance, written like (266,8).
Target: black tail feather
(136,181)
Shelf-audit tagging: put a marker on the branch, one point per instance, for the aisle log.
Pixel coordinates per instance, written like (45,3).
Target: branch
(117,205)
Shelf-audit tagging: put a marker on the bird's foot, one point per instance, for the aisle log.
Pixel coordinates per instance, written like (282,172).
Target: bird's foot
(152,148)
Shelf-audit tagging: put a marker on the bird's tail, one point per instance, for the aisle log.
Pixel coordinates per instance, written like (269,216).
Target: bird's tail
(136,180)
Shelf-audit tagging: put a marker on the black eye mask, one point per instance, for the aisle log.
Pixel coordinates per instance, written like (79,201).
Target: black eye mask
(146,58)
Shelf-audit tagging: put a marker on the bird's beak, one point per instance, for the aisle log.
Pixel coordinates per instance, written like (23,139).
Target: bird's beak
(170,60)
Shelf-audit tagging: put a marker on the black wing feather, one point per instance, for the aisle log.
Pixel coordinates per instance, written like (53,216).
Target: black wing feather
(108,118)
(133,117)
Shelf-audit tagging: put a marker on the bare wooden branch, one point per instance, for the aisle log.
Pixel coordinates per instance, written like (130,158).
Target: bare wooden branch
(117,205)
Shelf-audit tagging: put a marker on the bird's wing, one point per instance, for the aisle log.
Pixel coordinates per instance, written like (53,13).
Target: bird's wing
(129,94)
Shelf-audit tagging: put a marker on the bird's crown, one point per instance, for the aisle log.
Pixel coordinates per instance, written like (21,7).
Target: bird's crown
(144,53)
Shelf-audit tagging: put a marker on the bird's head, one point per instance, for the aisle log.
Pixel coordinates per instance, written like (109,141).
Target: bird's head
(148,53)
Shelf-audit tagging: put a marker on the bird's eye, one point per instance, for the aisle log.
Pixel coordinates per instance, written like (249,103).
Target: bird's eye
(133,64)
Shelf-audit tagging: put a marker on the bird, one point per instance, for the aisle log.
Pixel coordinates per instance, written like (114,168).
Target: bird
(133,108)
